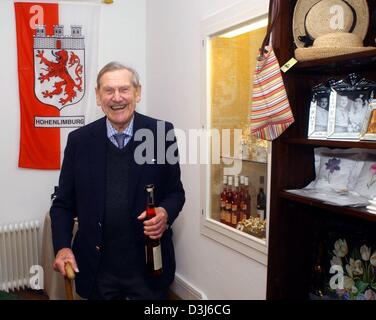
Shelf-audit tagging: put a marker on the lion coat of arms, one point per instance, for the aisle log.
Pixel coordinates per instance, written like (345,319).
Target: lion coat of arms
(59,73)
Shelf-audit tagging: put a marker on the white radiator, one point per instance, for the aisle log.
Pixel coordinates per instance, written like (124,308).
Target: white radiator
(18,253)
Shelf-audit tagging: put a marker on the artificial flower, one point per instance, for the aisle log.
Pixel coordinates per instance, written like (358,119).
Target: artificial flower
(370,294)
(373,259)
(336,261)
(358,268)
(340,248)
(357,281)
(348,283)
(365,252)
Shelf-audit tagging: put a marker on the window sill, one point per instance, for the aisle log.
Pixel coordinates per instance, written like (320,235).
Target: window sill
(241,242)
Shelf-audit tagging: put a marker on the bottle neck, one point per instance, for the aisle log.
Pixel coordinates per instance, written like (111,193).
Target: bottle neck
(229,186)
(150,211)
(150,207)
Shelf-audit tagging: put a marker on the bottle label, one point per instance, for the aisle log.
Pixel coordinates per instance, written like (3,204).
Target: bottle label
(222,216)
(261,214)
(157,256)
(234,219)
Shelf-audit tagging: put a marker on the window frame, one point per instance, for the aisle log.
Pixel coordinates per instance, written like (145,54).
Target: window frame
(230,18)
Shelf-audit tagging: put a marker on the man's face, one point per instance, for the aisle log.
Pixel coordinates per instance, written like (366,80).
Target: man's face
(118,97)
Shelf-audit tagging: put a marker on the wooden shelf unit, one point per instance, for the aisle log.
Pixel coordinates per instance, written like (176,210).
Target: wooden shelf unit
(295,221)
(359,213)
(331,143)
(360,61)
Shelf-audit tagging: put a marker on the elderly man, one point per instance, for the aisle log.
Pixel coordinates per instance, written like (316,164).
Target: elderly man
(102,182)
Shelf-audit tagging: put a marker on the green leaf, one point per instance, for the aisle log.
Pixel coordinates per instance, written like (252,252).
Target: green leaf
(361,286)
(352,296)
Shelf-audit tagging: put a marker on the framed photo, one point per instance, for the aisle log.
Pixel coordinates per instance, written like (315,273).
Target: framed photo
(349,106)
(369,126)
(318,112)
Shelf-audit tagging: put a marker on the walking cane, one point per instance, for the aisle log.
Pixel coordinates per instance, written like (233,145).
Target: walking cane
(70,275)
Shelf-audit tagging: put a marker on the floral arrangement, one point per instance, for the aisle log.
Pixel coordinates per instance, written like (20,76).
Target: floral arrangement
(355,273)
(253,226)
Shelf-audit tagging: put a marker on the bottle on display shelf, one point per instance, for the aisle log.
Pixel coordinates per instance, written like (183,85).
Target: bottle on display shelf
(223,200)
(241,184)
(261,201)
(229,197)
(152,246)
(247,199)
(262,182)
(243,206)
(235,204)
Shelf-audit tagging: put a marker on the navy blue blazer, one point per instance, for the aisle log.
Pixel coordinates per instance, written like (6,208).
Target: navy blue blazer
(81,193)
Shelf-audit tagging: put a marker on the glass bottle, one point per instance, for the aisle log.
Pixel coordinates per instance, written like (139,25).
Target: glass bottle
(223,200)
(247,199)
(229,202)
(235,204)
(261,204)
(152,246)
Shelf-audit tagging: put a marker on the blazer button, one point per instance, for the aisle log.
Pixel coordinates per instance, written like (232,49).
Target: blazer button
(98,248)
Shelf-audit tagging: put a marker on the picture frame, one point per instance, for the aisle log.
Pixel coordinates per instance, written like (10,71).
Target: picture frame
(348,107)
(319,112)
(369,126)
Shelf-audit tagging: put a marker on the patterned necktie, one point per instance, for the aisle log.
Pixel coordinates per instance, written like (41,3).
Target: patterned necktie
(119,137)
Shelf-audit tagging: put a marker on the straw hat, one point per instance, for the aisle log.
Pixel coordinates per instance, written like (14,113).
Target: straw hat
(332,44)
(315,18)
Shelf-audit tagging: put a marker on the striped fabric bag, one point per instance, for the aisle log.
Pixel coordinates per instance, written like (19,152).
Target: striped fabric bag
(270,112)
(270,109)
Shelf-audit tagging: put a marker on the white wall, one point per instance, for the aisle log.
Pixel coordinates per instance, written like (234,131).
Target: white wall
(25,193)
(173,75)
(123,38)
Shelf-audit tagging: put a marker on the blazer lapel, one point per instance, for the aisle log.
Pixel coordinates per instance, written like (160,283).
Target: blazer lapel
(97,152)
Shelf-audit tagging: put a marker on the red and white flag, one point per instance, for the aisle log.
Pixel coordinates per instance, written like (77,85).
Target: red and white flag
(57,47)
